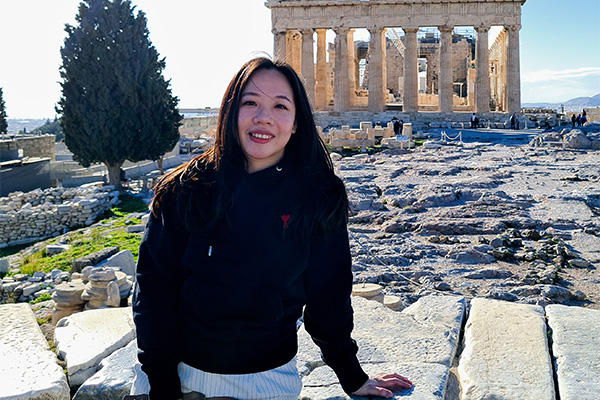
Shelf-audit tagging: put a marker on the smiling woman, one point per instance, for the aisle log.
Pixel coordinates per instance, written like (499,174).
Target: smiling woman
(243,241)
(266,119)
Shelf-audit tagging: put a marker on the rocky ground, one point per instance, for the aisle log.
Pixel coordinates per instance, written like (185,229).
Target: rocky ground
(509,222)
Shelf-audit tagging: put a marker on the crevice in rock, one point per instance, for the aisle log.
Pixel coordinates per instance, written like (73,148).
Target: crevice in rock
(552,359)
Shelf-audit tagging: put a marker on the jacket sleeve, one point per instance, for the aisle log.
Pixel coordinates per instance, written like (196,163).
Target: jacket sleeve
(156,298)
(328,315)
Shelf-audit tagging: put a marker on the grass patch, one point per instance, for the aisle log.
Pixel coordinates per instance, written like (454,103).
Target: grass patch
(109,232)
(81,245)
(128,204)
(42,297)
(43,321)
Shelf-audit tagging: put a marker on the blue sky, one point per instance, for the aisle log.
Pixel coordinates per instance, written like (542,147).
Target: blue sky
(205,43)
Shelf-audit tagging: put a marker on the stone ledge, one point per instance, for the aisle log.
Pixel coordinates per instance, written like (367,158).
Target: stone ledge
(576,350)
(28,369)
(506,353)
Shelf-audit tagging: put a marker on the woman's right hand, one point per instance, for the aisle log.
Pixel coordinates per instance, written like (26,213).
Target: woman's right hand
(379,385)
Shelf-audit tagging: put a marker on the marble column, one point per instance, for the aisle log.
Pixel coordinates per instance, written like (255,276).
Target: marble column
(411,71)
(445,89)
(482,70)
(308,64)
(279,51)
(513,70)
(352,69)
(293,49)
(341,95)
(321,73)
(377,99)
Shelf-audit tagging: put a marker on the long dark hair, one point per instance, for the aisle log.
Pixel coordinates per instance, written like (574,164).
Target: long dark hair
(210,178)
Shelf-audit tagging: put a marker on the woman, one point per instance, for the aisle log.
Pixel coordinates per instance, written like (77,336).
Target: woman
(239,241)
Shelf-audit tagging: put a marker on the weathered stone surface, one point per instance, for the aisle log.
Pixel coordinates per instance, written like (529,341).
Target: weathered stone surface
(322,384)
(576,349)
(4,265)
(422,339)
(67,297)
(123,260)
(28,369)
(52,249)
(93,259)
(85,338)
(114,378)
(506,353)
(40,214)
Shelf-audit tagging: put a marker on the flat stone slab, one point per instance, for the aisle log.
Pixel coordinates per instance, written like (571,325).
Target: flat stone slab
(85,338)
(419,342)
(506,353)
(115,377)
(28,368)
(429,382)
(576,349)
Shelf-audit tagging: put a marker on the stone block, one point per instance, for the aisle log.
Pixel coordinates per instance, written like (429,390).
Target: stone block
(93,259)
(365,125)
(419,342)
(52,249)
(85,338)
(4,265)
(114,378)
(576,351)
(28,368)
(505,353)
(322,384)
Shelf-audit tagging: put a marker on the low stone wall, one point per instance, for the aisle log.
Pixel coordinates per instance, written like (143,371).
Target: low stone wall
(39,214)
(33,146)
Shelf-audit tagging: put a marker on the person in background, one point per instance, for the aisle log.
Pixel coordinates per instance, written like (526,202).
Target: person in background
(474,121)
(243,241)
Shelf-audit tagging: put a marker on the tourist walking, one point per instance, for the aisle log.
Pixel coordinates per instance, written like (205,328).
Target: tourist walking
(573,119)
(240,241)
(474,121)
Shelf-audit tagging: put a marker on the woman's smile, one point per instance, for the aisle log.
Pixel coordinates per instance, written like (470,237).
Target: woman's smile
(260,137)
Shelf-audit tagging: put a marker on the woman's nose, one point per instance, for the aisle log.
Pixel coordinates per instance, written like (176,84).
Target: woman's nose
(263,116)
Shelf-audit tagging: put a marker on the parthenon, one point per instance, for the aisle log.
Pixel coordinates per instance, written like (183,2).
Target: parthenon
(432,65)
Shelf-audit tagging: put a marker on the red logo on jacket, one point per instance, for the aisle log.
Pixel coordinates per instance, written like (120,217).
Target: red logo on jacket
(285,219)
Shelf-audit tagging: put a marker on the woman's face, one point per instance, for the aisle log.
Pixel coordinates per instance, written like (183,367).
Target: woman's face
(266,118)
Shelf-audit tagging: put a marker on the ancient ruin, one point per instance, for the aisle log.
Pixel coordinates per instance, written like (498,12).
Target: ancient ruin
(420,56)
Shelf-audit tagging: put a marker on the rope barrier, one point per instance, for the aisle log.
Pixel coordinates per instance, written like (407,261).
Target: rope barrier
(445,137)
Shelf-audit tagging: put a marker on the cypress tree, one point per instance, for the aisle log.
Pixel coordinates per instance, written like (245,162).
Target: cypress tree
(115,104)
(3,123)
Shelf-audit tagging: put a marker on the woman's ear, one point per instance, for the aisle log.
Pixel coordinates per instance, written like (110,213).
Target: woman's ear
(294,127)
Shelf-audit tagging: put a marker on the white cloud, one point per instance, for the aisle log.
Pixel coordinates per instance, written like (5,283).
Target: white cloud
(563,75)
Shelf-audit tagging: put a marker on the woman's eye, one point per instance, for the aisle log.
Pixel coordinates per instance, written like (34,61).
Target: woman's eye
(249,103)
(281,106)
